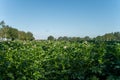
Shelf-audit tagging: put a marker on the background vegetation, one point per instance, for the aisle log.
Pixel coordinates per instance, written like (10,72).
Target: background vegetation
(10,33)
(65,58)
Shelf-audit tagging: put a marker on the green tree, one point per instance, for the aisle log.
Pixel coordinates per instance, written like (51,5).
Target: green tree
(7,32)
(2,23)
(21,35)
(13,33)
(51,38)
(29,36)
(64,38)
(87,38)
(4,32)
(117,35)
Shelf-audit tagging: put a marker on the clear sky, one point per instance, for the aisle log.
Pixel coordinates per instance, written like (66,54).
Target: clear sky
(62,17)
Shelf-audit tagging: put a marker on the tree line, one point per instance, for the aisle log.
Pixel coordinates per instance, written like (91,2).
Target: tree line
(9,33)
(113,36)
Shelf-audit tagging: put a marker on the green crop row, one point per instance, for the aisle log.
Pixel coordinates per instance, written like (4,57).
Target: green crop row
(59,60)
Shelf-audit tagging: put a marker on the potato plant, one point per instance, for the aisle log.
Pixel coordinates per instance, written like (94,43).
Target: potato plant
(59,60)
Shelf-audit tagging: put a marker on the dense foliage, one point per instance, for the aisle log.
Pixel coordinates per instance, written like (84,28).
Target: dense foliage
(10,33)
(59,60)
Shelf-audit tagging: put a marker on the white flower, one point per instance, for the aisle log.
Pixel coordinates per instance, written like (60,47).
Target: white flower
(65,47)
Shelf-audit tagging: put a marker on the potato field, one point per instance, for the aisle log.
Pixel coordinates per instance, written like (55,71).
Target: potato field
(59,60)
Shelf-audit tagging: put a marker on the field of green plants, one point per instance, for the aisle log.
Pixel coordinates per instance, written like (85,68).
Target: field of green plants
(59,60)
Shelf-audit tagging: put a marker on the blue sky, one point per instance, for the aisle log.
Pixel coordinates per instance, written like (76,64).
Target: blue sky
(62,17)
